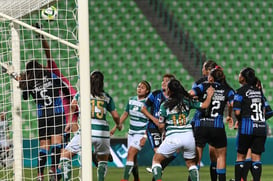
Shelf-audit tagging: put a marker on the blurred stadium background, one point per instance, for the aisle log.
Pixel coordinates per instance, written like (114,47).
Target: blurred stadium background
(132,40)
(144,39)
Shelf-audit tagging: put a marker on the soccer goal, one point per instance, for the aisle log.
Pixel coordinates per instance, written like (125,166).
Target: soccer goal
(41,30)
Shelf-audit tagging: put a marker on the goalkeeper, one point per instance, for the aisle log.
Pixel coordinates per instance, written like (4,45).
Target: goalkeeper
(52,66)
(44,86)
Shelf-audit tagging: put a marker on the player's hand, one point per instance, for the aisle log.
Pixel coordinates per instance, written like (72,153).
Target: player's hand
(71,127)
(9,69)
(119,126)
(210,91)
(230,122)
(113,130)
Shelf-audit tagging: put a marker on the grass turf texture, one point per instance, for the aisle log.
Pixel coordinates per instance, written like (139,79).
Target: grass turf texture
(171,173)
(180,173)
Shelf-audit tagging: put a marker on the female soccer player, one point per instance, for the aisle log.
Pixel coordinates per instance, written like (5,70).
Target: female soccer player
(173,119)
(206,68)
(209,128)
(151,111)
(101,102)
(44,86)
(136,134)
(249,108)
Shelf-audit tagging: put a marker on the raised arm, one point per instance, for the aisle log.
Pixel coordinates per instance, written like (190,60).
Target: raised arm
(206,103)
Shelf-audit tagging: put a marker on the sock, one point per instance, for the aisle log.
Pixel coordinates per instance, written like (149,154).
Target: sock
(135,173)
(247,167)
(66,168)
(194,173)
(222,174)
(55,156)
(128,169)
(256,170)
(213,173)
(42,160)
(102,170)
(157,171)
(166,161)
(239,166)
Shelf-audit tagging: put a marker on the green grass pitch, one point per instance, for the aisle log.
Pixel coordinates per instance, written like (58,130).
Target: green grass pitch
(171,173)
(180,173)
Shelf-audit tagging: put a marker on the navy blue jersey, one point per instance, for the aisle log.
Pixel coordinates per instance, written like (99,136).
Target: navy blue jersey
(198,112)
(213,115)
(153,102)
(250,101)
(199,81)
(46,93)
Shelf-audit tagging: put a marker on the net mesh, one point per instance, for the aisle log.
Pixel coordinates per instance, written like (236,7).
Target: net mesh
(64,26)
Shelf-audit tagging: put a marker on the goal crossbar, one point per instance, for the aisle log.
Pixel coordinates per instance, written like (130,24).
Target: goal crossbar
(39,31)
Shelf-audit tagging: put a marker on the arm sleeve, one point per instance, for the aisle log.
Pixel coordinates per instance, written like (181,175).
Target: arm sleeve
(25,95)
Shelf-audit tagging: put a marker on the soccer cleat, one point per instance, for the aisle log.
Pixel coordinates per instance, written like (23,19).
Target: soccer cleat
(52,175)
(40,177)
(149,170)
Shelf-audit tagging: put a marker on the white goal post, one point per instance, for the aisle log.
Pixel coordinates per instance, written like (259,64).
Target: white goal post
(13,12)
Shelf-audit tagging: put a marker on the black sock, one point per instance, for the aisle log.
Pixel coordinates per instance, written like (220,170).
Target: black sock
(42,161)
(256,170)
(247,167)
(135,172)
(55,155)
(166,161)
(239,166)
(213,173)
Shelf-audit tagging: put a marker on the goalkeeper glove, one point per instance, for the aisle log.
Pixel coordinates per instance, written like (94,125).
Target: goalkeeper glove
(9,69)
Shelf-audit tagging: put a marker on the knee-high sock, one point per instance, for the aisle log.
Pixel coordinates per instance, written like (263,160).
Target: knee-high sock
(194,173)
(239,166)
(66,168)
(42,160)
(222,174)
(135,173)
(213,173)
(55,156)
(102,170)
(127,170)
(247,167)
(157,172)
(256,170)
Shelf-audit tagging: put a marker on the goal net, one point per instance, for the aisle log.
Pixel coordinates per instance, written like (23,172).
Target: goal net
(47,32)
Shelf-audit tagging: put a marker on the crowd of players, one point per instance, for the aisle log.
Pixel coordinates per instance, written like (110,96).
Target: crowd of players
(160,116)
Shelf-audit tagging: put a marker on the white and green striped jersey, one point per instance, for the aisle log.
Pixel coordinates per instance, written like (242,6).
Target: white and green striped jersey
(138,120)
(3,130)
(177,122)
(99,108)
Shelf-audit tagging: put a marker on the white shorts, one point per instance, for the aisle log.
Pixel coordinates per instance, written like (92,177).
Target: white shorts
(74,145)
(4,144)
(101,145)
(134,141)
(179,142)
